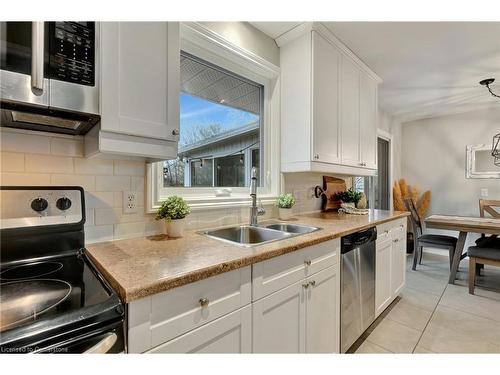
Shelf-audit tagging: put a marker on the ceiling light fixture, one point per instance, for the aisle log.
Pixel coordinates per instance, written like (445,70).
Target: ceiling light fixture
(495,147)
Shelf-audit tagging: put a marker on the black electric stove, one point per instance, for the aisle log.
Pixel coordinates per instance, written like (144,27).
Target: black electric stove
(52,299)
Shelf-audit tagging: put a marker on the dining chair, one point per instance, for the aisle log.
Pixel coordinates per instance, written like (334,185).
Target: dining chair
(492,207)
(480,256)
(421,240)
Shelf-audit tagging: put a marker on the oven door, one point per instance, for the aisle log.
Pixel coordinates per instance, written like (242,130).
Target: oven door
(105,341)
(24,62)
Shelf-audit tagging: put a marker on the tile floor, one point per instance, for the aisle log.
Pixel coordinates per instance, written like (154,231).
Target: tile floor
(432,316)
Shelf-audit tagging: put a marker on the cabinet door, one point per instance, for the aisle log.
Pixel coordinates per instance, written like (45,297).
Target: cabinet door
(383,290)
(140,79)
(325,96)
(279,321)
(398,263)
(349,113)
(230,334)
(368,121)
(323,311)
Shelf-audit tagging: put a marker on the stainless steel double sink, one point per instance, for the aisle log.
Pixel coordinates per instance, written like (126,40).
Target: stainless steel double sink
(248,236)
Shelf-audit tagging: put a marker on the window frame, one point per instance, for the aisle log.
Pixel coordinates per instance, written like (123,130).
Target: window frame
(199,41)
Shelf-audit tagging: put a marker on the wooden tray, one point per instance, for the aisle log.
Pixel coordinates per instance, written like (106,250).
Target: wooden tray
(331,186)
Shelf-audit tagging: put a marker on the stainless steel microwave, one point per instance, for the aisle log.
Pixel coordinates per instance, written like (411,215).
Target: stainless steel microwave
(49,76)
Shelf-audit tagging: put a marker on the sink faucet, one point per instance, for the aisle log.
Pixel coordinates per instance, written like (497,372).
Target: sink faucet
(254,210)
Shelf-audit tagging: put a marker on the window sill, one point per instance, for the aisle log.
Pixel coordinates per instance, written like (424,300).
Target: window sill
(206,203)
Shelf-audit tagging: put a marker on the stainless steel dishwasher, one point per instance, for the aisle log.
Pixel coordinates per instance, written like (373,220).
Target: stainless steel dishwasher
(357,297)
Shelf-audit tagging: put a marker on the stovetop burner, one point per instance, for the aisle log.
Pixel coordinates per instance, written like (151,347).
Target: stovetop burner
(30,271)
(23,301)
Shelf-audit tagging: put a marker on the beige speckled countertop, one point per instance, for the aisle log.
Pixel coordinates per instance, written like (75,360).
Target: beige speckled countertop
(139,267)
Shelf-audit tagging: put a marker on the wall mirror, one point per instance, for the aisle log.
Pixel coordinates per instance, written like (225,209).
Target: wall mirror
(480,163)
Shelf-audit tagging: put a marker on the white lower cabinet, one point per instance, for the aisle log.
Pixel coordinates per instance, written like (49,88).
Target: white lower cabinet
(279,321)
(323,311)
(230,334)
(390,269)
(302,316)
(383,294)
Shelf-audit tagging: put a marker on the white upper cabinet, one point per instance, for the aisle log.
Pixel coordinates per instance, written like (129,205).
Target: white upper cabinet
(350,114)
(325,103)
(328,105)
(139,89)
(368,117)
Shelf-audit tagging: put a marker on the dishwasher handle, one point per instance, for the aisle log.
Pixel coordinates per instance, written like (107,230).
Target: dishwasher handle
(355,240)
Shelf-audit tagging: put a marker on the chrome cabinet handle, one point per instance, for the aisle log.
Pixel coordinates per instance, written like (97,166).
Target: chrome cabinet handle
(307,262)
(316,156)
(204,302)
(175,132)
(37,57)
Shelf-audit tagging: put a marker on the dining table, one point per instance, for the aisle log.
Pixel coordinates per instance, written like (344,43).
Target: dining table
(464,225)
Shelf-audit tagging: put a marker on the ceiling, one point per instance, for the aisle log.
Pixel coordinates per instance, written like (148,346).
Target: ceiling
(428,69)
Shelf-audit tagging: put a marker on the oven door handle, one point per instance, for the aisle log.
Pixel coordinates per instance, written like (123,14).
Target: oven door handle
(37,57)
(104,345)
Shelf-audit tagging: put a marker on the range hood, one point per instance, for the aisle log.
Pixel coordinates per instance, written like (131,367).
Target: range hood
(22,116)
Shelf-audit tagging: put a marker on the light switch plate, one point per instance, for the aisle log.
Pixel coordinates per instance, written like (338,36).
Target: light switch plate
(484,193)
(129,202)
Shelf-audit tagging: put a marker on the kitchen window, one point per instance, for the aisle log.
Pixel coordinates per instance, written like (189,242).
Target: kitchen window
(225,131)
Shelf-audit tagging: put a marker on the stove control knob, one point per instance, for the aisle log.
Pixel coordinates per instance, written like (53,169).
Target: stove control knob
(63,203)
(39,204)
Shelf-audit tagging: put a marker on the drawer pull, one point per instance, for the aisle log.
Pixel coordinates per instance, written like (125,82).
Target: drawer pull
(307,262)
(312,283)
(204,302)
(306,285)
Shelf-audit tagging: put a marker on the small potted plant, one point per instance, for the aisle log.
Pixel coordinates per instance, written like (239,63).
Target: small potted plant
(173,210)
(285,203)
(350,197)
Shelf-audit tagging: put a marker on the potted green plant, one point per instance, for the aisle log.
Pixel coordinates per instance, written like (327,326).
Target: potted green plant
(173,210)
(350,197)
(285,203)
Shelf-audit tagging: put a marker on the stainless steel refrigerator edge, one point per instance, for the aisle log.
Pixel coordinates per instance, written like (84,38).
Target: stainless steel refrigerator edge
(357,298)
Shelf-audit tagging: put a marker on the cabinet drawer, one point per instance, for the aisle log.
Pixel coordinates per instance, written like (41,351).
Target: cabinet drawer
(398,232)
(231,333)
(386,230)
(164,316)
(274,274)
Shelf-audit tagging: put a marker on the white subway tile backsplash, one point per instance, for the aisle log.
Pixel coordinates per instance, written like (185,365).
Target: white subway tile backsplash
(129,168)
(48,164)
(137,184)
(112,183)
(106,216)
(95,166)
(86,182)
(20,142)
(99,199)
(66,147)
(98,233)
(12,162)
(23,179)
(129,230)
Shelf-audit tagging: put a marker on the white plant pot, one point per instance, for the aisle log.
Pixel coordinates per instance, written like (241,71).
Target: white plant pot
(175,228)
(285,213)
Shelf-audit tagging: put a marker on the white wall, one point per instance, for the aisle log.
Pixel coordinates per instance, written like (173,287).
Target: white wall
(433,158)
(389,124)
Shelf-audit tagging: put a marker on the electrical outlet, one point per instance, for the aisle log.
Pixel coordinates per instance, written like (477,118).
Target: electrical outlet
(129,202)
(484,193)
